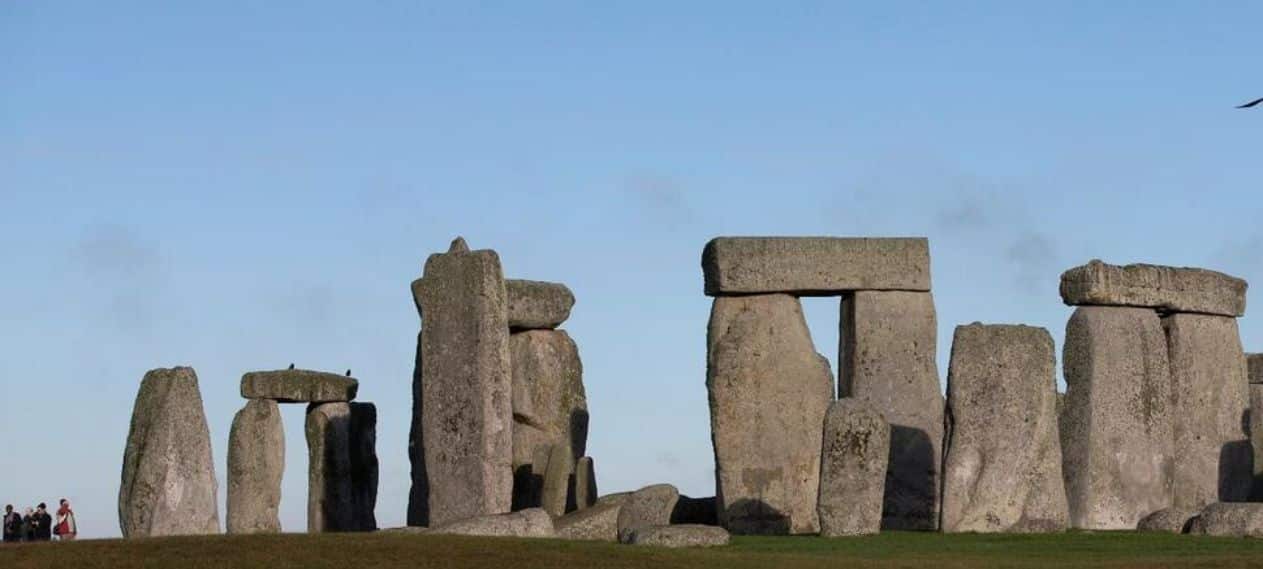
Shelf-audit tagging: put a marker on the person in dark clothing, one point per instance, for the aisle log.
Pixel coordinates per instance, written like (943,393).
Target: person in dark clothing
(12,525)
(43,526)
(28,525)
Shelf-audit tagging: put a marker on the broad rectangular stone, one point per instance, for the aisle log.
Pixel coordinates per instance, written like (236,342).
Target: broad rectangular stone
(329,496)
(549,407)
(1116,427)
(768,391)
(1210,410)
(537,305)
(853,464)
(1168,289)
(466,412)
(1002,465)
(298,386)
(815,266)
(888,343)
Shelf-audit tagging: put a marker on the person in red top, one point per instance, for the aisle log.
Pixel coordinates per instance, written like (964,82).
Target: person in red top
(66,529)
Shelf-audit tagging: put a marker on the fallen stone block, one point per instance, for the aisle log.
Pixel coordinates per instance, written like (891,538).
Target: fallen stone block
(1169,520)
(853,463)
(1226,519)
(537,305)
(256,464)
(1002,471)
(168,482)
(768,391)
(814,266)
(466,411)
(1167,289)
(649,506)
(298,386)
(888,350)
(1210,403)
(1116,429)
(330,504)
(531,522)
(598,523)
(686,535)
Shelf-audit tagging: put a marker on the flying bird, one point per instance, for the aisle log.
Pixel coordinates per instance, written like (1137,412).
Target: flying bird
(348,373)
(291,366)
(1251,103)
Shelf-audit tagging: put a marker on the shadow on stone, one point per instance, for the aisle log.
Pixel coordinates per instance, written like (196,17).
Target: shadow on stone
(910,481)
(755,517)
(1236,471)
(419,495)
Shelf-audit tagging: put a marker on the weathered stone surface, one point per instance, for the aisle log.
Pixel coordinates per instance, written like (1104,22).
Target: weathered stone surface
(853,462)
(1229,520)
(537,305)
(419,493)
(1210,410)
(649,506)
(1002,466)
(466,413)
(1256,440)
(558,481)
(1254,367)
(1168,289)
(598,522)
(330,503)
(168,481)
(364,466)
(1116,429)
(768,391)
(256,463)
(298,386)
(1169,520)
(685,535)
(815,266)
(531,522)
(550,407)
(585,493)
(704,511)
(888,350)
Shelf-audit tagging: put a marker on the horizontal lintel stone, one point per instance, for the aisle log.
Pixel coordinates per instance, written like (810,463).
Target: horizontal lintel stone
(537,305)
(1167,289)
(298,386)
(815,266)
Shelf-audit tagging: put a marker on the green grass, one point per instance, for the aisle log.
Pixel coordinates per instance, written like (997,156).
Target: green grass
(894,549)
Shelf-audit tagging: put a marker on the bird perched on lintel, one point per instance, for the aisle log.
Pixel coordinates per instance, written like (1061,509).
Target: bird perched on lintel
(348,373)
(291,366)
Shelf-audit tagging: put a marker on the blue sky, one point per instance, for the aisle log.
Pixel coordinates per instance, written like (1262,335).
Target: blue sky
(238,186)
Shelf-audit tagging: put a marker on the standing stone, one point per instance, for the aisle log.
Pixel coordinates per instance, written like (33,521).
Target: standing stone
(364,466)
(537,305)
(888,350)
(550,407)
(1254,364)
(1210,410)
(810,266)
(168,482)
(1002,469)
(768,391)
(649,506)
(855,451)
(256,463)
(1116,430)
(330,504)
(419,494)
(1168,289)
(465,389)
(585,493)
(558,480)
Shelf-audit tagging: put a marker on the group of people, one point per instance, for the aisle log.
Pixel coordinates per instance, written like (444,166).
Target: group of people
(38,525)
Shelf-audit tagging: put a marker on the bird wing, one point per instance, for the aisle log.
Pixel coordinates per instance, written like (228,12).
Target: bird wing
(1251,103)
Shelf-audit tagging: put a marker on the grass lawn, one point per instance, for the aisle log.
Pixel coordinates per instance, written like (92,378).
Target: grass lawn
(892,549)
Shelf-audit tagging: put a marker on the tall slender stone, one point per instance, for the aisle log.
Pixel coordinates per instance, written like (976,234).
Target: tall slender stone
(256,463)
(768,391)
(364,466)
(1116,429)
(585,492)
(1002,465)
(557,494)
(1210,410)
(466,413)
(329,496)
(853,469)
(550,408)
(888,343)
(1254,365)
(419,493)
(168,482)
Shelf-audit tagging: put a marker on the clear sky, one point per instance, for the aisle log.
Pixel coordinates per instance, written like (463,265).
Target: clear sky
(237,186)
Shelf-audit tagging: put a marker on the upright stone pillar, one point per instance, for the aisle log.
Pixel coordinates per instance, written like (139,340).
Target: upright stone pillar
(550,408)
(364,466)
(888,343)
(853,469)
(1117,441)
(256,463)
(1210,400)
(168,482)
(419,494)
(329,496)
(1254,365)
(466,413)
(1002,465)
(769,390)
